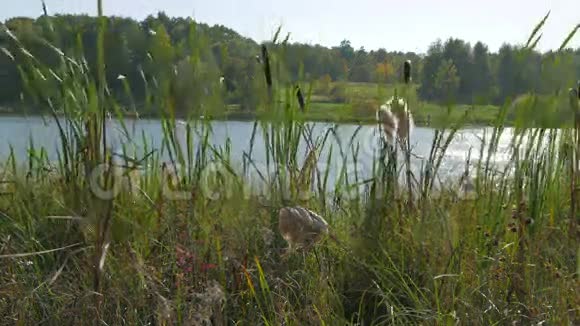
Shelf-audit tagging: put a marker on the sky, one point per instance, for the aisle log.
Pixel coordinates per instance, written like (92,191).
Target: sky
(402,25)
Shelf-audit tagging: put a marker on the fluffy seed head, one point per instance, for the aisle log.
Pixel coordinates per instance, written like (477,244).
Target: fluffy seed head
(301,227)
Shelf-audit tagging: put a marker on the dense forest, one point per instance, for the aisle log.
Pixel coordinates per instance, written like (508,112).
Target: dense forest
(141,52)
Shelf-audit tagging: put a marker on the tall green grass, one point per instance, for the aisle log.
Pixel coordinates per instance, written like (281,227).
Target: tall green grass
(412,251)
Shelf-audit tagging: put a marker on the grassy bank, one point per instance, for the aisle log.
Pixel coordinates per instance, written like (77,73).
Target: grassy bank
(91,240)
(359,105)
(508,254)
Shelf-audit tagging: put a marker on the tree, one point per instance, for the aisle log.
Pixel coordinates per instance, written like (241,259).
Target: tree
(482,75)
(506,72)
(333,65)
(431,65)
(183,60)
(458,52)
(10,83)
(346,50)
(361,69)
(447,81)
(161,50)
(384,72)
(380,55)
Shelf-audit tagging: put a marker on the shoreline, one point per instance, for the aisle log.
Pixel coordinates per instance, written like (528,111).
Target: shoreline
(249,117)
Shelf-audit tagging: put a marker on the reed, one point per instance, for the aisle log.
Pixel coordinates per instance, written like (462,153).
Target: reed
(192,245)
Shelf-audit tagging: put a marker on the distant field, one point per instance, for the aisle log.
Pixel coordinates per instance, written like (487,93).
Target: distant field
(363,99)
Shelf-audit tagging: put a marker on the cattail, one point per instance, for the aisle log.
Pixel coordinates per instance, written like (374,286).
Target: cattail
(169,176)
(406,122)
(301,227)
(266,63)
(395,119)
(407,71)
(300,98)
(388,121)
(134,179)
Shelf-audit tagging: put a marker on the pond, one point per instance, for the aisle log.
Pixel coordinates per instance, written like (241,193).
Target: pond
(19,132)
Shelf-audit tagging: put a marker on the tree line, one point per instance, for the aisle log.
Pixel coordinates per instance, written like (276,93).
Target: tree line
(195,55)
(454,70)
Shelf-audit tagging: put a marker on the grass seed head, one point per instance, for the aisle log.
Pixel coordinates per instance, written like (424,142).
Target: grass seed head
(301,227)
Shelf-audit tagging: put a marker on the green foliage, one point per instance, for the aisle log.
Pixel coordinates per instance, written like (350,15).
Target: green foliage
(493,78)
(148,52)
(447,81)
(482,75)
(509,255)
